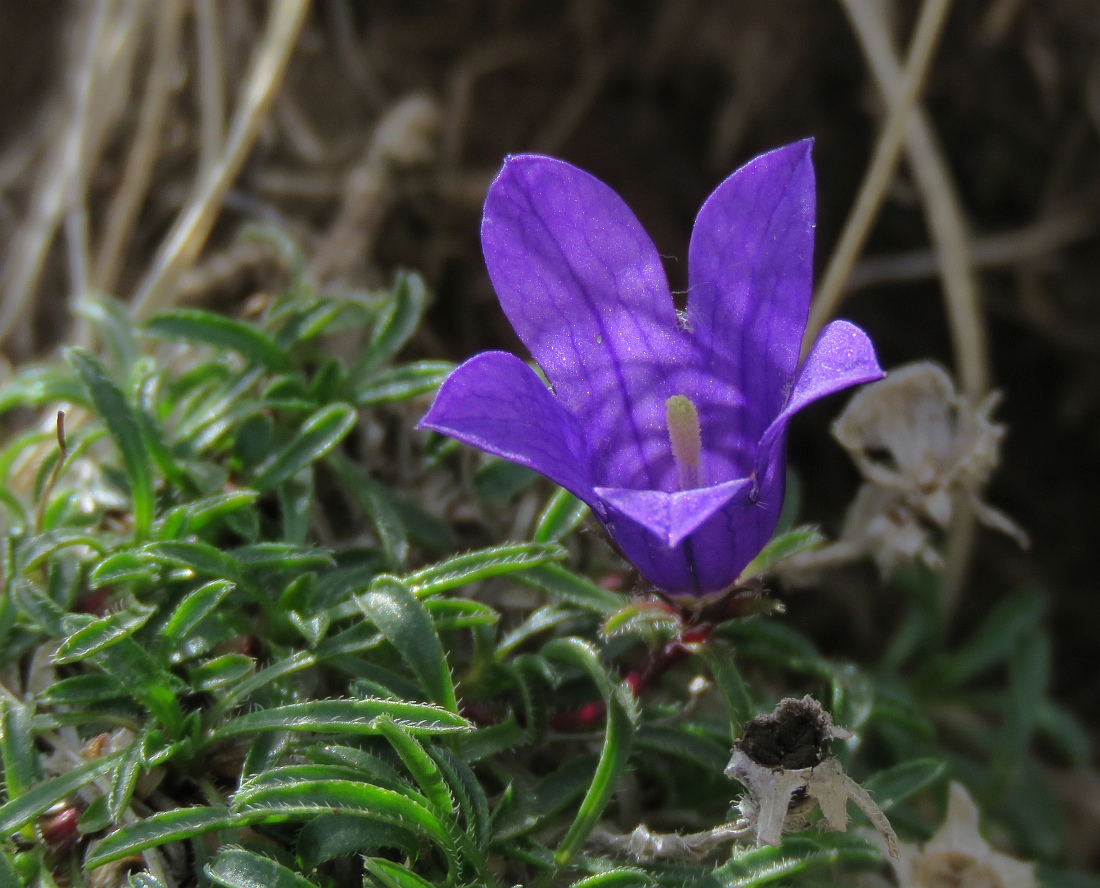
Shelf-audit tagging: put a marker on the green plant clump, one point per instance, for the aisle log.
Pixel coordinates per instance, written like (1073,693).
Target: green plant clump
(242,644)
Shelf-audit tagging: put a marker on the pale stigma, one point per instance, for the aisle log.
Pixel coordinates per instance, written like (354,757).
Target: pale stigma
(683,434)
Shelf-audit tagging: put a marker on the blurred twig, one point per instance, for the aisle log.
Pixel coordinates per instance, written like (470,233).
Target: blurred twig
(127,201)
(951,239)
(188,235)
(54,185)
(880,172)
(1004,248)
(211,85)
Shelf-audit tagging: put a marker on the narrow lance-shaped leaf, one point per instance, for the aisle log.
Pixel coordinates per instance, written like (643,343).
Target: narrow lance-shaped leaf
(101,634)
(420,765)
(125,430)
(393,875)
(21,811)
(402,618)
(481,565)
(621,718)
(563,514)
(346,717)
(17,747)
(238,868)
(402,383)
(320,433)
(397,323)
(219,331)
(157,830)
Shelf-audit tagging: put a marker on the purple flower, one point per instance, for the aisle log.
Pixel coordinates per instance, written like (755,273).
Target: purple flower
(670,426)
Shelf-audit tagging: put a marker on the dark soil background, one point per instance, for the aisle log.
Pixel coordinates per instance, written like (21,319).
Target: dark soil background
(662,100)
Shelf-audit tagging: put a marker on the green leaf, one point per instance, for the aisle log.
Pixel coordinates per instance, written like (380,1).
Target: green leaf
(896,784)
(317,436)
(228,669)
(283,556)
(499,480)
(621,719)
(200,558)
(329,836)
(101,634)
(781,547)
(563,514)
(402,383)
(122,424)
(482,564)
(652,619)
(195,607)
(19,812)
(308,798)
(17,747)
(219,331)
(158,829)
(346,717)
(719,658)
(563,585)
(397,324)
(376,503)
(43,547)
(1028,679)
(121,567)
(124,780)
(1062,729)
(796,856)
(393,875)
(467,792)
(111,322)
(201,512)
(994,639)
(420,765)
(403,619)
(238,868)
(620,877)
(677,742)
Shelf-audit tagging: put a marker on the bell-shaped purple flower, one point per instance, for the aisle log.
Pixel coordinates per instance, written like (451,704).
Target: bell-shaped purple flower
(670,426)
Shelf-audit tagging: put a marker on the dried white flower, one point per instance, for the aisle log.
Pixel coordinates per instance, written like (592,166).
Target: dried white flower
(922,449)
(958,857)
(783,762)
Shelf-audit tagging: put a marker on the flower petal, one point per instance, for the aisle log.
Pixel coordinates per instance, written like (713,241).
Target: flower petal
(727,535)
(842,355)
(584,288)
(671,517)
(750,266)
(495,402)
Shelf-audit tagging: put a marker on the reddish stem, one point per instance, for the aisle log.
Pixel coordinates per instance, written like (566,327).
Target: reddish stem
(639,679)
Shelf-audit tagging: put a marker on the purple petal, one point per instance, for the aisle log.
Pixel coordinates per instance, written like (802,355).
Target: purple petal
(671,517)
(712,555)
(584,288)
(750,267)
(841,356)
(495,402)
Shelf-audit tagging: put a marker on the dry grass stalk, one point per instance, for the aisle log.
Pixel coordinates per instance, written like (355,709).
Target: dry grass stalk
(951,239)
(880,172)
(188,235)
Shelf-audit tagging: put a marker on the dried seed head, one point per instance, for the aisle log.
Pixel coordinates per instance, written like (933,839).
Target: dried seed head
(795,735)
(783,762)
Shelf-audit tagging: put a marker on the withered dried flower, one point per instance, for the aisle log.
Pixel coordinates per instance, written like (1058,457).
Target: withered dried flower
(958,855)
(783,762)
(923,449)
